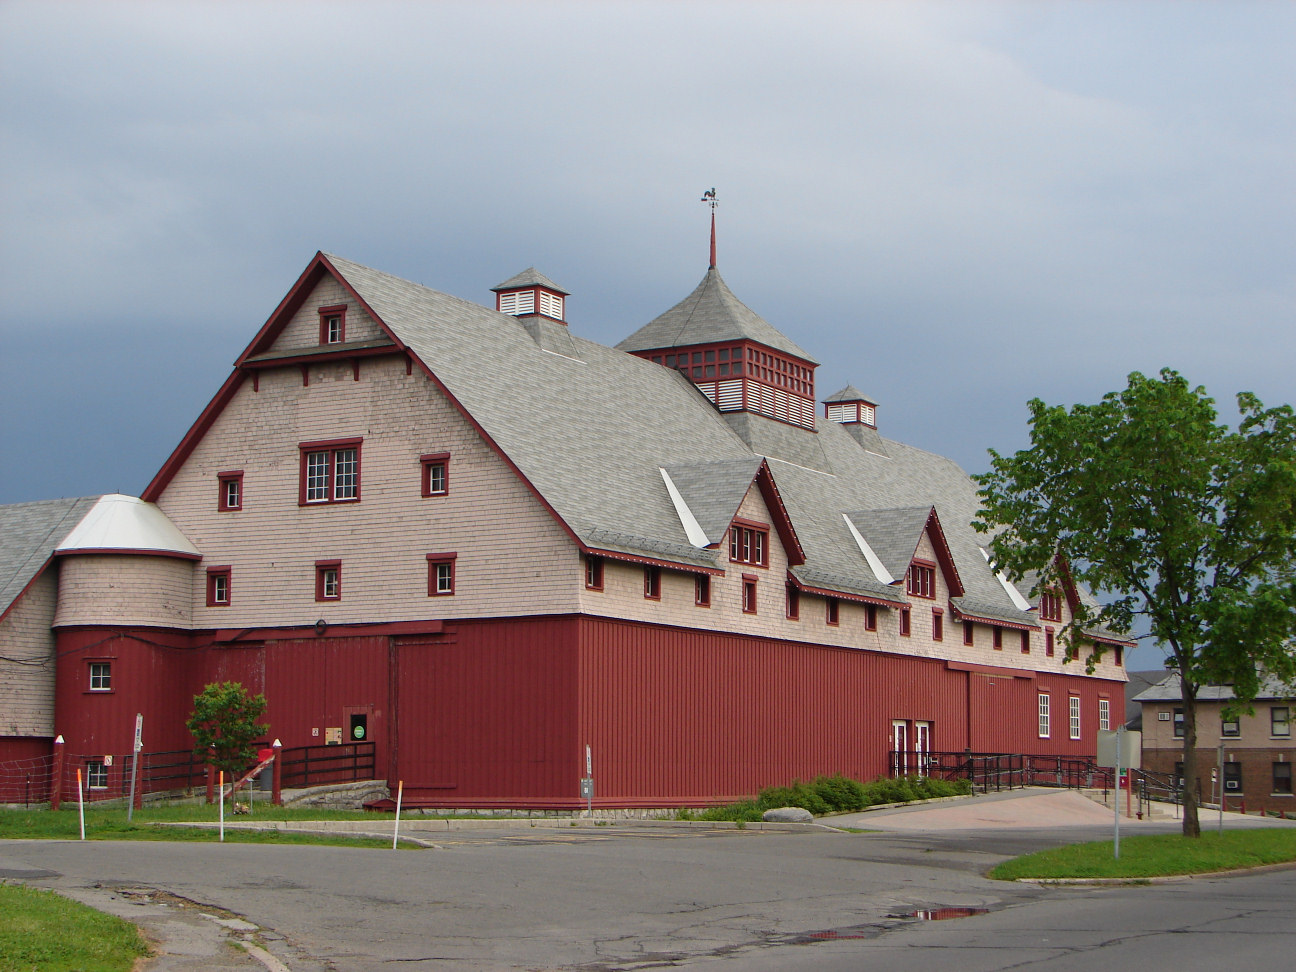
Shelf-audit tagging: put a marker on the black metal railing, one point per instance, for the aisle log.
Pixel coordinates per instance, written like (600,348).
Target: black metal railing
(317,765)
(1001,771)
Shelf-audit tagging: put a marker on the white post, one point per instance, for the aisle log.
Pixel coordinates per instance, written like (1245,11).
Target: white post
(220,798)
(81,802)
(1221,787)
(1120,741)
(139,744)
(400,792)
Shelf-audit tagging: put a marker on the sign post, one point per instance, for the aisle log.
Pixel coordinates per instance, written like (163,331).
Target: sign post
(1119,749)
(587,783)
(139,744)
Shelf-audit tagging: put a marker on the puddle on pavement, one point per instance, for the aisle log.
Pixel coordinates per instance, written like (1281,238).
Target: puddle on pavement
(943,914)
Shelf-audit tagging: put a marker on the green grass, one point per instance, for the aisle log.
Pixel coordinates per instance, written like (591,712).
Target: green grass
(41,930)
(111,824)
(1157,855)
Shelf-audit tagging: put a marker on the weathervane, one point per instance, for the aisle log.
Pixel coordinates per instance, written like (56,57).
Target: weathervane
(710,197)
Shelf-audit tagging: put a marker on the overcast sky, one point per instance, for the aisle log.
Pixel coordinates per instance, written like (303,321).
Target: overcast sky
(954,206)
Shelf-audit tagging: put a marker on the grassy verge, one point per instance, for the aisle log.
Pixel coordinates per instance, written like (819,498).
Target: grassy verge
(833,794)
(1157,855)
(42,930)
(111,824)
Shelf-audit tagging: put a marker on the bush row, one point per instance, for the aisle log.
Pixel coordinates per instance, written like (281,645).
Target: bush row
(835,794)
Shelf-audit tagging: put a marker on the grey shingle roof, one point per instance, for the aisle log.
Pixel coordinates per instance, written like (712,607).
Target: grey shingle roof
(29,532)
(529,277)
(711,313)
(1168,690)
(850,394)
(591,428)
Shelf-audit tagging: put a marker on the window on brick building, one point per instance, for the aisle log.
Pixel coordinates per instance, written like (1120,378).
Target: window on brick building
(1282,778)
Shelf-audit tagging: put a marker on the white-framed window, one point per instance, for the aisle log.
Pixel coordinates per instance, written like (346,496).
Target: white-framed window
(921,580)
(1104,714)
(218,586)
(1074,716)
(96,775)
(441,574)
(330,472)
(231,491)
(328,580)
(101,676)
(1280,721)
(436,473)
(1044,728)
(749,545)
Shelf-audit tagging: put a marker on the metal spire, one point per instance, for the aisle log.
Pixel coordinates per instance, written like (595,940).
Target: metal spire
(710,197)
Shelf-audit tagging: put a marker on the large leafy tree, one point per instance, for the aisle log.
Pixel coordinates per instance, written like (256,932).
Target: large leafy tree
(224,725)
(1168,515)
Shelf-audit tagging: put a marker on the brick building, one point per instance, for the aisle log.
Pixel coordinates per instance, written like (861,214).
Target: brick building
(484,543)
(1258,748)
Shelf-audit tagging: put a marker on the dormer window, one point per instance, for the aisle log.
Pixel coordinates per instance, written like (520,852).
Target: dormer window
(921,581)
(332,324)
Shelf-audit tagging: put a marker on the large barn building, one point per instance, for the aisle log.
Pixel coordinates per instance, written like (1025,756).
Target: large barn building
(483,543)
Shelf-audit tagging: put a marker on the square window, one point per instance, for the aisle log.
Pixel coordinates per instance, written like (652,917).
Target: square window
(834,611)
(330,472)
(938,625)
(230,496)
(332,328)
(748,594)
(702,590)
(1280,721)
(1044,728)
(904,622)
(652,583)
(441,574)
(96,775)
(593,572)
(1230,727)
(793,603)
(218,586)
(436,473)
(101,676)
(328,580)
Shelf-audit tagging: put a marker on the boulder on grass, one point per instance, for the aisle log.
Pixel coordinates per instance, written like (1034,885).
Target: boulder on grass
(787,815)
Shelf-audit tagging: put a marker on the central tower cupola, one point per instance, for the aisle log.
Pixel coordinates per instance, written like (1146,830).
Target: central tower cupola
(735,357)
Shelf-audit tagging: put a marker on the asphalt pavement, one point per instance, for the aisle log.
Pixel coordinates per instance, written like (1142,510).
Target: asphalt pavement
(509,895)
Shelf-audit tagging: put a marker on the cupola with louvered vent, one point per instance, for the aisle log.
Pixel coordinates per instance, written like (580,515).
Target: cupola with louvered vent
(529,294)
(850,406)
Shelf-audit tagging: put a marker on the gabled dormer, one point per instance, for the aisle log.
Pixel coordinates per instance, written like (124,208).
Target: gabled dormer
(530,293)
(735,357)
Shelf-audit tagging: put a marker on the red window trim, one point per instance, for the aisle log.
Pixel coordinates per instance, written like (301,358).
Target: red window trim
(320,567)
(593,572)
(702,590)
(998,637)
(427,462)
(332,447)
(89,666)
(212,574)
(749,593)
(1049,642)
(920,579)
(222,500)
(906,626)
(652,583)
(832,611)
(736,542)
(969,636)
(435,561)
(938,624)
(333,310)
(1050,606)
(870,617)
(1025,642)
(793,603)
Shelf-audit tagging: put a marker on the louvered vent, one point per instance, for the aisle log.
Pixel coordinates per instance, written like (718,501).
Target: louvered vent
(517,302)
(551,305)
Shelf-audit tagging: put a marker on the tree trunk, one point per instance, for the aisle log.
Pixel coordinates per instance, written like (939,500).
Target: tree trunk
(1191,825)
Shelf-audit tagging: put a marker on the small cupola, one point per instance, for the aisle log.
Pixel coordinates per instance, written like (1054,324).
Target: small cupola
(530,294)
(850,406)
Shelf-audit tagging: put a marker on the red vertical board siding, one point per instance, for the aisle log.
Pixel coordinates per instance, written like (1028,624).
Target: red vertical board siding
(487,715)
